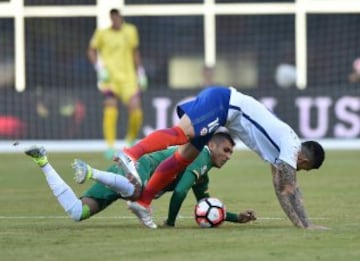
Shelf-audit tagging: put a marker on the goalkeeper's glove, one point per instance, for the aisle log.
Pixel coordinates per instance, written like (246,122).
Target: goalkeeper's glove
(142,78)
(101,73)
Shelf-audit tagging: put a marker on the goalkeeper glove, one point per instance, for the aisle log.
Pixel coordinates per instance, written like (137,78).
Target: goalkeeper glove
(101,73)
(142,78)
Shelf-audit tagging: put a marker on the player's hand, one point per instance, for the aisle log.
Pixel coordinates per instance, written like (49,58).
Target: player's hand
(101,73)
(317,227)
(246,216)
(142,78)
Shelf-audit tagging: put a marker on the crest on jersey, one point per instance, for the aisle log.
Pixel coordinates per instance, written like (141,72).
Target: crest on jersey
(203,170)
(203,131)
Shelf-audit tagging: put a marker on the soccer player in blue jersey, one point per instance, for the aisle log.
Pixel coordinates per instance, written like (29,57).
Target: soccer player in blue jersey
(246,119)
(113,184)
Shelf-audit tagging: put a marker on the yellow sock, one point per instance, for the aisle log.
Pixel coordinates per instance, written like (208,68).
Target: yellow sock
(134,124)
(110,124)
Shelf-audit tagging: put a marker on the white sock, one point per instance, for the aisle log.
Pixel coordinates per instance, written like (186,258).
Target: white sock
(64,194)
(116,182)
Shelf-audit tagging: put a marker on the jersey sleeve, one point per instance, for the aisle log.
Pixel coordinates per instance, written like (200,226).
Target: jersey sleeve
(179,195)
(95,41)
(201,188)
(231,217)
(200,168)
(133,36)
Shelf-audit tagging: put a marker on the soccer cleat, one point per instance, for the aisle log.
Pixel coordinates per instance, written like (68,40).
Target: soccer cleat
(83,171)
(128,165)
(38,154)
(143,214)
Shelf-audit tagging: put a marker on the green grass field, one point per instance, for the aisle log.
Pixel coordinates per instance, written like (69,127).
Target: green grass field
(34,227)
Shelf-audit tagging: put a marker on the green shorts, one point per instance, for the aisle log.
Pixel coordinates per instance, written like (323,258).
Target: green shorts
(103,195)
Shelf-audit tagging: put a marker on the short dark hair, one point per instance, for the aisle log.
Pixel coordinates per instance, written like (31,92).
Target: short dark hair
(314,152)
(114,11)
(223,135)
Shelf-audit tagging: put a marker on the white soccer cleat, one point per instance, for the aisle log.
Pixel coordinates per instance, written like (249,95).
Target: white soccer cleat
(83,171)
(128,165)
(143,214)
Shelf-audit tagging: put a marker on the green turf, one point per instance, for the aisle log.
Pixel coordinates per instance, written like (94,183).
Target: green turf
(34,227)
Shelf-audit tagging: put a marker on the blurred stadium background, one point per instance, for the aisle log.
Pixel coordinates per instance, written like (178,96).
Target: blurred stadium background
(48,88)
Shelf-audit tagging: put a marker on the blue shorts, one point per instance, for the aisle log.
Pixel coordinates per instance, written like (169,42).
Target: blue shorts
(207,112)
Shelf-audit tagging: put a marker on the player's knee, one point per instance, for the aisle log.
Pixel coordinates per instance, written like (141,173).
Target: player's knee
(78,211)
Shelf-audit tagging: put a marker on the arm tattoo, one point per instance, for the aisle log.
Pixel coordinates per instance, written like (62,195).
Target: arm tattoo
(288,194)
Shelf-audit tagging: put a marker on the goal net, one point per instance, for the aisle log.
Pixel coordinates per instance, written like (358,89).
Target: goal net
(301,62)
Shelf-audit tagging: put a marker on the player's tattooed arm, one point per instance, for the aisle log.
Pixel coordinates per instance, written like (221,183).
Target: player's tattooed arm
(288,194)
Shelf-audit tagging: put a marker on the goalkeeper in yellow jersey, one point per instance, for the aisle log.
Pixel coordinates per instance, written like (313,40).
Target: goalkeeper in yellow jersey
(114,53)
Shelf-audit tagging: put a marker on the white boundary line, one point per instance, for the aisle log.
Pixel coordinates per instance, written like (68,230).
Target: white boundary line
(132,217)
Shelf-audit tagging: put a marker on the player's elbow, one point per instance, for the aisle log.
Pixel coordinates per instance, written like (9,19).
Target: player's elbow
(288,189)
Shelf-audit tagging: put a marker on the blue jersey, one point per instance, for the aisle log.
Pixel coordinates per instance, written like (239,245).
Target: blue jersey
(207,112)
(246,119)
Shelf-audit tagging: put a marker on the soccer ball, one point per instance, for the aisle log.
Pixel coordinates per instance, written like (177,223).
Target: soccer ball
(285,75)
(210,212)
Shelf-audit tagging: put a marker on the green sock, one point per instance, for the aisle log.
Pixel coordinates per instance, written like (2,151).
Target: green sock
(85,212)
(41,161)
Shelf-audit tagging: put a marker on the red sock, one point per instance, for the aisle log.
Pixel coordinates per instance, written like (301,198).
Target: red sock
(165,173)
(157,140)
